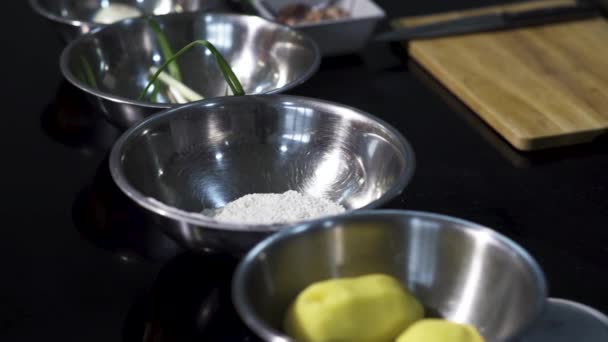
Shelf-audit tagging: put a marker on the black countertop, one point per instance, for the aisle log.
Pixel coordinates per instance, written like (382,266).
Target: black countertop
(78,266)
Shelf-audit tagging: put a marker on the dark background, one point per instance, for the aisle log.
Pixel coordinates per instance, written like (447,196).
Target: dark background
(77,265)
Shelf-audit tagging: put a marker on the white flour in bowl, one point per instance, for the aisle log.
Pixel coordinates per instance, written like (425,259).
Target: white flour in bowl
(287,207)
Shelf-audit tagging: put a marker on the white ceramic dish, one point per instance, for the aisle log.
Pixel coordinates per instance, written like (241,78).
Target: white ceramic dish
(334,37)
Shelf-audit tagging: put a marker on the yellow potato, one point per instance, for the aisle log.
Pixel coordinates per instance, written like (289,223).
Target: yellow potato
(371,308)
(439,330)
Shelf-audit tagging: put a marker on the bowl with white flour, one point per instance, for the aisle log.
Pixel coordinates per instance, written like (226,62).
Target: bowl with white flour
(221,174)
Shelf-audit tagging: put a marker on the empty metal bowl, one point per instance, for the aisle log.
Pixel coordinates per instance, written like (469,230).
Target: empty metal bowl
(113,65)
(73,18)
(209,153)
(457,269)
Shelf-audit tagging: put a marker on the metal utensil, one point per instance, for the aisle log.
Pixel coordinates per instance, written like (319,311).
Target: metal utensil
(266,57)
(206,154)
(72,19)
(460,270)
(493,21)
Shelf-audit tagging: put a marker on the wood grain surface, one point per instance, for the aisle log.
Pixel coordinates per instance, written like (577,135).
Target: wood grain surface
(538,87)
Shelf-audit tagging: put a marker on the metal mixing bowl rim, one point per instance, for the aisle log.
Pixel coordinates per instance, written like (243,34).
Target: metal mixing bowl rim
(197,219)
(35,5)
(67,73)
(593,312)
(268,333)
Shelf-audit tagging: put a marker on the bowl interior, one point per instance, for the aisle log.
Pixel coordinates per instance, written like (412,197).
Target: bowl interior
(207,154)
(266,57)
(458,270)
(85,10)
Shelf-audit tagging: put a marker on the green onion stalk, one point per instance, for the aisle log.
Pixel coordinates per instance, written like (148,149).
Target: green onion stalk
(89,76)
(231,79)
(165,47)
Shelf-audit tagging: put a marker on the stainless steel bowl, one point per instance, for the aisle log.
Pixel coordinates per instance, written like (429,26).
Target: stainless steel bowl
(71,19)
(267,58)
(208,153)
(459,270)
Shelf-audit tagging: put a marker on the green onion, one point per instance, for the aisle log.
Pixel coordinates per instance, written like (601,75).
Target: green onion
(165,48)
(231,79)
(88,72)
(80,75)
(176,86)
(155,92)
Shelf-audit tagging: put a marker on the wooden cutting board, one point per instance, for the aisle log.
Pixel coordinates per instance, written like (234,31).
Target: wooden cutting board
(538,87)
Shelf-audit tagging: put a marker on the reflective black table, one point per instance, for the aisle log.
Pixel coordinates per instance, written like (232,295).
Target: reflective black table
(77,263)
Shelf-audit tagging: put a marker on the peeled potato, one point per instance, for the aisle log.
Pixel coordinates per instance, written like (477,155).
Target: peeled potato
(372,308)
(439,330)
